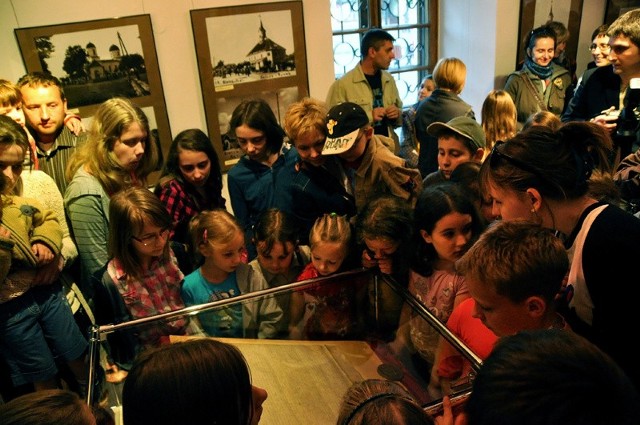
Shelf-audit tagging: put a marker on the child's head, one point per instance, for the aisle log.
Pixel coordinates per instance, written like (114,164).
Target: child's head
(13,147)
(514,271)
(256,128)
(219,238)
(459,140)
(446,223)
(499,117)
(329,240)
(11,102)
(275,236)
(427,86)
(385,225)
(544,119)
(305,126)
(192,159)
(468,176)
(139,228)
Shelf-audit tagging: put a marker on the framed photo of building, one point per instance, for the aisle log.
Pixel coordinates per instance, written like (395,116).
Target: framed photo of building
(98,60)
(534,13)
(265,59)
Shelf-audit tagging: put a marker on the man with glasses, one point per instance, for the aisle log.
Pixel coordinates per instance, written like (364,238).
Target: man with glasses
(601,97)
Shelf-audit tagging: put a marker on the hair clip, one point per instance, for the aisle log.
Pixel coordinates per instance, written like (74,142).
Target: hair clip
(205,235)
(333,214)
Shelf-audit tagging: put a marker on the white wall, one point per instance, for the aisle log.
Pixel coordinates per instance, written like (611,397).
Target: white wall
(174,43)
(484,35)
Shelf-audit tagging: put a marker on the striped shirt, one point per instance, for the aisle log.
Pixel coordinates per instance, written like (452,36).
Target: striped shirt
(54,162)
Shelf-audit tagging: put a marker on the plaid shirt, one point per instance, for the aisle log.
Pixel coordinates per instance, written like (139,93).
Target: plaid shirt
(183,203)
(158,292)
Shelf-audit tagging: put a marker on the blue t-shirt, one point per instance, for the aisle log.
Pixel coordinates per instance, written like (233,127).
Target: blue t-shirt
(223,322)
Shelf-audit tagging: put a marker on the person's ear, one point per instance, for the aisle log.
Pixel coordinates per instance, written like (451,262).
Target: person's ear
(536,199)
(536,306)
(426,236)
(204,248)
(369,132)
(477,156)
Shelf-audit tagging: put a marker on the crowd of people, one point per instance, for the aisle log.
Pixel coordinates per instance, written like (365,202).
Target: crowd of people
(514,232)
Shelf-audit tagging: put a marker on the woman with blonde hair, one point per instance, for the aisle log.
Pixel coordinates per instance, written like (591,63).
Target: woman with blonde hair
(443,105)
(499,117)
(117,154)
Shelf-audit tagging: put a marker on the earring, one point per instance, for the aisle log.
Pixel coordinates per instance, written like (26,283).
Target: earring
(533,210)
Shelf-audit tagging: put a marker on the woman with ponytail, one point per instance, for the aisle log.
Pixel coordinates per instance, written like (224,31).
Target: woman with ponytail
(546,177)
(541,85)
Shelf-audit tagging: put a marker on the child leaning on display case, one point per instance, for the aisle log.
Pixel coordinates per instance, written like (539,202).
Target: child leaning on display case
(219,238)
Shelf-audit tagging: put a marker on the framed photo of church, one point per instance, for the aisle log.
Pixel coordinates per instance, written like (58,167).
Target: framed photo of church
(266,59)
(98,60)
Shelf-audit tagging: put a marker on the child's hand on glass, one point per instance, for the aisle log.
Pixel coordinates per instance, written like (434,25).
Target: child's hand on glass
(42,252)
(369,260)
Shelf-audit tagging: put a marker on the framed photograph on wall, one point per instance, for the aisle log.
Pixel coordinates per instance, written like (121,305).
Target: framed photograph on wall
(534,13)
(265,59)
(616,8)
(98,60)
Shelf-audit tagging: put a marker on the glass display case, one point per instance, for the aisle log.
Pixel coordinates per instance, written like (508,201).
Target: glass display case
(306,343)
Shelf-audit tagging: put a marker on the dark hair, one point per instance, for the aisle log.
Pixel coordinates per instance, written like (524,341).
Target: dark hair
(434,203)
(467,175)
(627,25)
(569,378)
(47,407)
(558,163)
(374,38)
(378,402)
(601,30)
(562,33)
(543,31)
(257,114)
(275,226)
(195,140)
(36,79)
(12,133)
(177,384)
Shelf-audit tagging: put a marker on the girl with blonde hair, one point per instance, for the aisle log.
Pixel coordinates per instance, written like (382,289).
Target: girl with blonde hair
(499,117)
(117,154)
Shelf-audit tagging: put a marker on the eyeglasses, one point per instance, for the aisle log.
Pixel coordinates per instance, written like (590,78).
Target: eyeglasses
(604,48)
(496,154)
(153,238)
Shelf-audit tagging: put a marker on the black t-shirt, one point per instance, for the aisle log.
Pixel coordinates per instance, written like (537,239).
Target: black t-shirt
(375,81)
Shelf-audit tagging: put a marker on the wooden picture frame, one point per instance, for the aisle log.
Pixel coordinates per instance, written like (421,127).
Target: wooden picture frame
(98,60)
(534,13)
(615,8)
(268,62)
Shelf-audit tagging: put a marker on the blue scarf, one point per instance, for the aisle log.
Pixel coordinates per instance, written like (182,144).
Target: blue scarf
(542,72)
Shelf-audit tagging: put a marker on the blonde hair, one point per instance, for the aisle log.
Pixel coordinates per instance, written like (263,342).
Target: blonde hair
(305,116)
(450,73)
(217,227)
(331,228)
(113,118)
(9,94)
(499,117)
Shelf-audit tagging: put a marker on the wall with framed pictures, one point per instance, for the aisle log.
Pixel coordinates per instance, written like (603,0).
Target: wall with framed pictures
(268,60)
(100,59)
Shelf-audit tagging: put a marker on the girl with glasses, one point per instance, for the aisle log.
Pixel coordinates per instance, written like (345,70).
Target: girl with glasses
(142,278)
